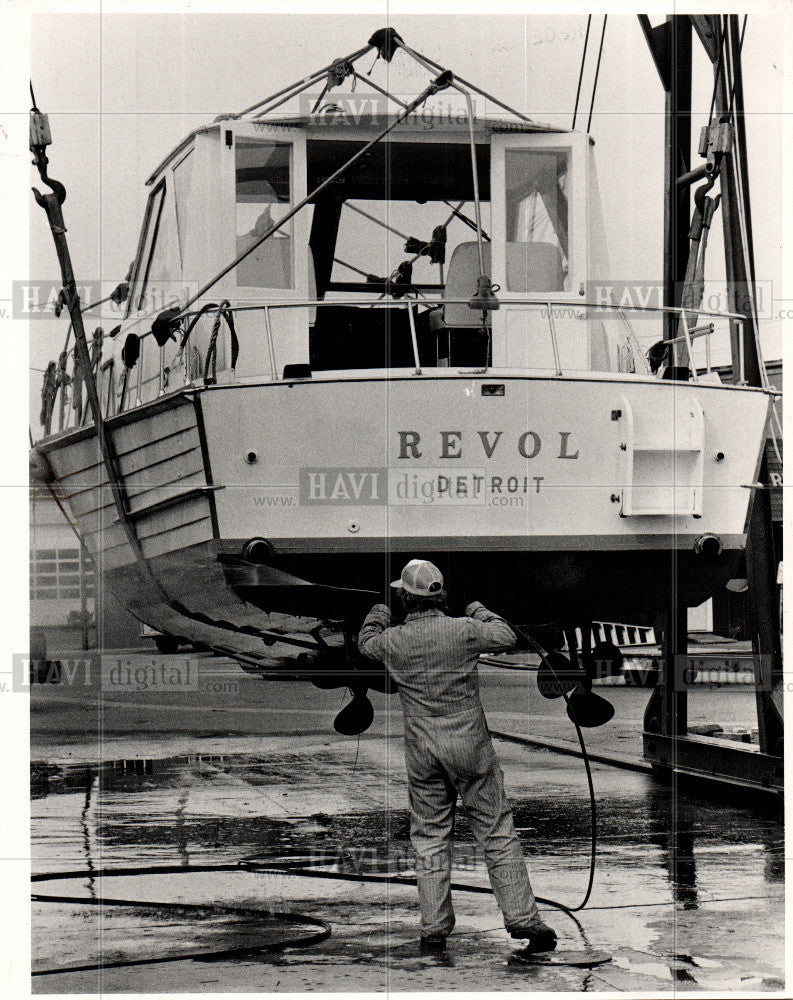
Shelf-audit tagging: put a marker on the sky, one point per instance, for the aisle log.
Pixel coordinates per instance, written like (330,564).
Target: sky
(122,90)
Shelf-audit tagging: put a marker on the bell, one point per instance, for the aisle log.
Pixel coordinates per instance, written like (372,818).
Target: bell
(556,675)
(356,717)
(485,299)
(588,709)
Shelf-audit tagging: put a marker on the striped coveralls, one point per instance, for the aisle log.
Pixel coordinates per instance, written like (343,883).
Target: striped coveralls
(448,751)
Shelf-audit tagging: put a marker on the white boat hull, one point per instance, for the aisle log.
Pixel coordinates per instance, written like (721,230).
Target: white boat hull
(555,499)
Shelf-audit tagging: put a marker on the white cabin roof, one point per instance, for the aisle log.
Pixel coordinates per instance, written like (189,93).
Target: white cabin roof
(331,123)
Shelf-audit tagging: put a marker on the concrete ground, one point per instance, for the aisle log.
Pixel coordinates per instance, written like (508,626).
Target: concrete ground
(688,894)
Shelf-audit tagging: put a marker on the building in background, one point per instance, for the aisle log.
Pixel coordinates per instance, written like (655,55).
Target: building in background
(68,607)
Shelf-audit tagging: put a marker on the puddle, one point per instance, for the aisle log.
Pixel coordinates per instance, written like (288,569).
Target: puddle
(343,808)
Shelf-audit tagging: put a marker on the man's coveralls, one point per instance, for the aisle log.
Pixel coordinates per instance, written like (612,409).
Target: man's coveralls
(433,659)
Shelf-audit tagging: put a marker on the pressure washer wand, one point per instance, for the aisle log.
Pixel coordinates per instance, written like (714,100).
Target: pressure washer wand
(533,644)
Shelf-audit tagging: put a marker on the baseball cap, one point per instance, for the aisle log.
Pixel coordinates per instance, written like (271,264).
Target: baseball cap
(420,577)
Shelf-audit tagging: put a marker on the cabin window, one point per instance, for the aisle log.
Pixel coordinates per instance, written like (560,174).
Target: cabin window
(182,177)
(537,186)
(371,249)
(263,197)
(159,260)
(150,224)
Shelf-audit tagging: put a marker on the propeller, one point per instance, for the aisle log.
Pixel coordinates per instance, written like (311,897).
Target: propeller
(556,675)
(588,709)
(356,717)
(608,659)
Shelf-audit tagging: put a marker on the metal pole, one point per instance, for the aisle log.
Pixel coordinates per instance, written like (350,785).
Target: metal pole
(138,399)
(554,342)
(677,201)
(475,172)
(760,554)
(431,64)
(312,78)
(272,107)
(413,337)
(270,346)
(83,597)
(373,218)
(670,46)
(51,203)
(687,341)
(379,89)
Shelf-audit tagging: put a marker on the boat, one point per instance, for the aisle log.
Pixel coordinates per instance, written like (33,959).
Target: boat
(272,431)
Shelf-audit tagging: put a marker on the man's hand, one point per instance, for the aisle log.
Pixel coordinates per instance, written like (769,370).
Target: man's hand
(377,621)
(381,613)
(473,607)
(492,632)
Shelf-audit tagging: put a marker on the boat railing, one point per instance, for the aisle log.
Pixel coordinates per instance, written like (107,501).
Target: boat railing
(681,347)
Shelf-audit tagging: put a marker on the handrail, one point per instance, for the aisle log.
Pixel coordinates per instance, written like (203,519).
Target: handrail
(578,304)
(270,345)
(600,308)
(413,338)
(689,353)
(554,341)
(578,309)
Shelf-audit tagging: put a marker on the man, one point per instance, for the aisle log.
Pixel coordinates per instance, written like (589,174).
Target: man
(433,660)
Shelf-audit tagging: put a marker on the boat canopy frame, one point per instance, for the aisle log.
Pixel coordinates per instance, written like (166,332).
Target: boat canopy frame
(386,41)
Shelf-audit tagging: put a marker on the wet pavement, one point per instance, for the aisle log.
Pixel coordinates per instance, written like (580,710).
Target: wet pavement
(688,894)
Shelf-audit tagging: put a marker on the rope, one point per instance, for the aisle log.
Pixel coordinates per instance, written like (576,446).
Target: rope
(597,72)
(740,50)
(581,72)
(717,76)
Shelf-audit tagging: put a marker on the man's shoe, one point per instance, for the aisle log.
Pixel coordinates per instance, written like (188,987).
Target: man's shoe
(538,937)
(432,944)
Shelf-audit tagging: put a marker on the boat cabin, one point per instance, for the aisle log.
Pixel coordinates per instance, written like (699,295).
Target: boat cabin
(378,269)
